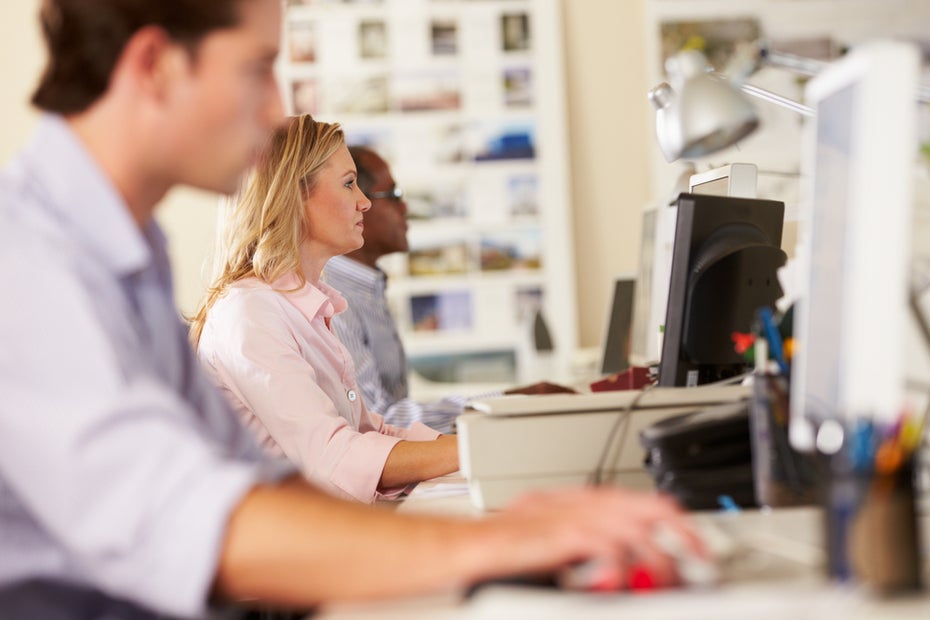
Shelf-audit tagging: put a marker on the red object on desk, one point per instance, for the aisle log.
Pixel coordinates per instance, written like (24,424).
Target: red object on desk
(633,378)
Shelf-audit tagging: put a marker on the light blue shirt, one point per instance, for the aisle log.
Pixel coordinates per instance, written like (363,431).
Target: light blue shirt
(120,463)
(368,331)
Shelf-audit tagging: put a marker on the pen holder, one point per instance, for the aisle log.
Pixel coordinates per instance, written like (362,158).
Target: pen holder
(884,540)
(781,476)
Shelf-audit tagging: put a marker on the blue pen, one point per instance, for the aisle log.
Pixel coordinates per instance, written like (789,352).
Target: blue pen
(862,445)
(774,338)
(727,503)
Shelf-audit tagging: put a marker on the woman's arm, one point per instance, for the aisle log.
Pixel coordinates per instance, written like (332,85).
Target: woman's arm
(413,461)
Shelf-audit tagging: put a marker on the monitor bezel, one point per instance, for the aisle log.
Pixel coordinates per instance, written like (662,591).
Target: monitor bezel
(870,371)
(741,180)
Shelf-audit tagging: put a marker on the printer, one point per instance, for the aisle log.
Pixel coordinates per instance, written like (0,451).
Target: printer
(513,444)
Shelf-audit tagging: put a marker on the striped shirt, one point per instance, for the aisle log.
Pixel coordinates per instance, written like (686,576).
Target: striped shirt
(368,331)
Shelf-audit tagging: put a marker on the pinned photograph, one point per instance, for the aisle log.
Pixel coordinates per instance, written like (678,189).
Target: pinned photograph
(435,202)
(529,301)
(518,88)
(305,96)
(517,249)
(515,32)
(444,36)
(438,260)
(717,39)
(301,41)
(505,140)
(447,311)
(523,194)
(372,39)
(361,95)
(427,90)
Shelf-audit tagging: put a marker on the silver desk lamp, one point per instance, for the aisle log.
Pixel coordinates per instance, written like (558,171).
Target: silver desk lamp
(700,112)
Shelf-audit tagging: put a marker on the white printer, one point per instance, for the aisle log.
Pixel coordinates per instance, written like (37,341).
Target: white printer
(512,444)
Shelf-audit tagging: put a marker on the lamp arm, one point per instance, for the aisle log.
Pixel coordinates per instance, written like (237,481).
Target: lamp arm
(808,66)
(796,64)
(785,102)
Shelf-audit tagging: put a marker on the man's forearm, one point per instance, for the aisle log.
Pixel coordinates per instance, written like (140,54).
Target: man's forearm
(293,545)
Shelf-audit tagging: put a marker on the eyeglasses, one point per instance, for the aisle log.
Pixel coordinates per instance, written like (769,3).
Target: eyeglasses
(395,193)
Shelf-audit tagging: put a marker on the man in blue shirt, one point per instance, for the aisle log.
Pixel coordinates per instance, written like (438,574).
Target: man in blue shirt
(367,328)
(127,487)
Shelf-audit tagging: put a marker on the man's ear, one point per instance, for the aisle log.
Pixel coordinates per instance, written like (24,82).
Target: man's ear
(151,61)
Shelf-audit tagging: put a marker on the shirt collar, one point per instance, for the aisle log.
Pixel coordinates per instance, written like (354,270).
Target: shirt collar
(77,191)
(363,276)
(312,301)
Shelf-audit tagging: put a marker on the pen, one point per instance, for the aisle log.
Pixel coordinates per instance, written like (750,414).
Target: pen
(774,338)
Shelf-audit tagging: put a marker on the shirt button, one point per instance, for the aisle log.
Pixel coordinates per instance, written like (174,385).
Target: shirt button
(352,396)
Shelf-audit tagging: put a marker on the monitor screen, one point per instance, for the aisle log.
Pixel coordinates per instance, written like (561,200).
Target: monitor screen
(852,310)
(724,268)
(616,352)
(645,325)
(825,289)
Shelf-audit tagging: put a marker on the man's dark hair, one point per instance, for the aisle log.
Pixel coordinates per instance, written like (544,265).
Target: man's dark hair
(86,37)
(361,155)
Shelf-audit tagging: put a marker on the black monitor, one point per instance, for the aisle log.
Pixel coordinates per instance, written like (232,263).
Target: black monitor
(724,262)
(615,356)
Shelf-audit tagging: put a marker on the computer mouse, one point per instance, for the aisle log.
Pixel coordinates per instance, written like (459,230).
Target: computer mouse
(600,575)
(693,569)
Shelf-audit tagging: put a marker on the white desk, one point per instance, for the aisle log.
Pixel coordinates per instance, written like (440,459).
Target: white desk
(776,574)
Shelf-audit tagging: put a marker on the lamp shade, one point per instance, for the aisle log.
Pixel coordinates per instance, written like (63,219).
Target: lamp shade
(699,112)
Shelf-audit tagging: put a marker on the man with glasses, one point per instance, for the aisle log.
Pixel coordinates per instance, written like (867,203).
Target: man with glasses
(367,328)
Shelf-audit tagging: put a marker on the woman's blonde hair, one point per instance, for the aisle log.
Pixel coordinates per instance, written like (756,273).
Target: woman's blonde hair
(263,233)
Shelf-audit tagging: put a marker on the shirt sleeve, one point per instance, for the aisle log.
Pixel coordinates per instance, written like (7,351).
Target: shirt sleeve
(258,359)
(116,469)
(439,415)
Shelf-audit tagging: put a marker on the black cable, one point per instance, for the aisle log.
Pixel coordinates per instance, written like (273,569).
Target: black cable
(596,478)
(624,415)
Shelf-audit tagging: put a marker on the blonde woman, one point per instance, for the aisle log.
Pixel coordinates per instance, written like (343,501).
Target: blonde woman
(264,332)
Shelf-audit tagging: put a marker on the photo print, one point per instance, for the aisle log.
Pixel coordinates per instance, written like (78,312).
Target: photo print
(516,249)
(372,39)
(518,88)
(501,140)
(446,311)
(444,37)
(438,260)
(427,90)
(717,39)
(523,194)
(301,41)
(529,301)
(358,95)
(515,32)
(305,96)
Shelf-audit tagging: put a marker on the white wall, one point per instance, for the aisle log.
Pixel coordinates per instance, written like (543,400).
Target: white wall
(21,57)
(609,134)
(607,131)
(188,216)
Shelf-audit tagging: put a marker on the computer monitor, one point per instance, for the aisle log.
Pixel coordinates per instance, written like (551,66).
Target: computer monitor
(615,356)
(858,159)
(724,268)
(646,319)
(730,180)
